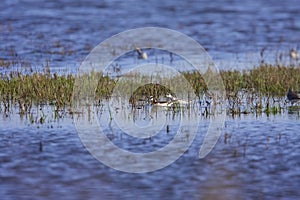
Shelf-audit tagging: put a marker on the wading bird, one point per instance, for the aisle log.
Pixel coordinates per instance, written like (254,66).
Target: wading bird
(141,54)
(162,103)
(292,96)
(294,54)
(176,100)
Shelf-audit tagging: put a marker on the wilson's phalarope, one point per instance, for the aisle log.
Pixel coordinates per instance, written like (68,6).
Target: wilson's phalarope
(294,54)
(164,103)
(176,100)
(142,55)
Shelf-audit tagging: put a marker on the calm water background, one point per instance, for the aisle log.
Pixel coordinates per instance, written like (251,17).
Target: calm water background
(257,157)
(62,33)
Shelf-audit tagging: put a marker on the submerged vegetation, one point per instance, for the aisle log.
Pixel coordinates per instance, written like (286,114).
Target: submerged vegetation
(265,81)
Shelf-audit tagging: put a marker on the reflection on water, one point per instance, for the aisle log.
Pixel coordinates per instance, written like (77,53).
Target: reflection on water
(253,158)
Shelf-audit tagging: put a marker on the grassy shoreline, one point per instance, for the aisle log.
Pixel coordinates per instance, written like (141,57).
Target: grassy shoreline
(45,88)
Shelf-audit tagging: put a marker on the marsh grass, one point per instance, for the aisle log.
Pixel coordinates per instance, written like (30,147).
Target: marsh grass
(269,80)
(264,85)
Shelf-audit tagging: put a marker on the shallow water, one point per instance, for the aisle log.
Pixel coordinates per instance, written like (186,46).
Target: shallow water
(62,33)
(256,157)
